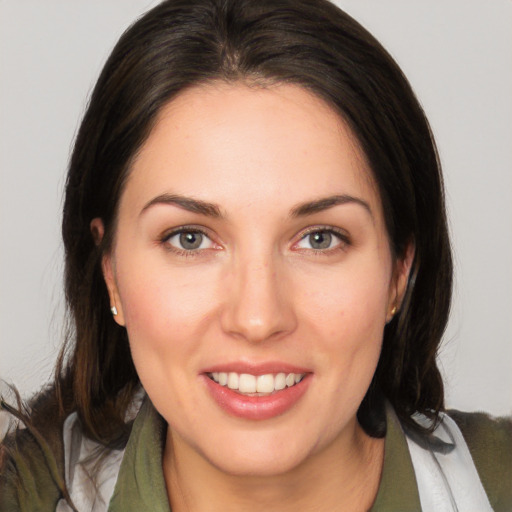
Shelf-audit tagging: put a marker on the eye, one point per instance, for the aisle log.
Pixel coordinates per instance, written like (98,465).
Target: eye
(189,240)
(322,240)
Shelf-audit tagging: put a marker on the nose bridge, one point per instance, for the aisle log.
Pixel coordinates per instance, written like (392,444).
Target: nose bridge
(258,306)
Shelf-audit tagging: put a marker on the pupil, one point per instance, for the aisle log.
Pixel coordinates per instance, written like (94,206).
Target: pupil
(320,240)
(191,240)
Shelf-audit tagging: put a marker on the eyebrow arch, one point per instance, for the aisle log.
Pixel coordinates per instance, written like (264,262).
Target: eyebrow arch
(187,203)
(325,203)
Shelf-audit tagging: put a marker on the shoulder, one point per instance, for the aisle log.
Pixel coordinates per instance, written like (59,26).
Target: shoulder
(31,465)
(489,441)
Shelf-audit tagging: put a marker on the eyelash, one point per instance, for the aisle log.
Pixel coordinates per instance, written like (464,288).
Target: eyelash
(342,236)
(344,240)
(164,240)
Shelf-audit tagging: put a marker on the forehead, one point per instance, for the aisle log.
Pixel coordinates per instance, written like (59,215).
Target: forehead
(233,142)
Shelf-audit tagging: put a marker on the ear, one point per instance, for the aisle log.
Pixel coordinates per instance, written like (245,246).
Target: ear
(108,270)
(402,269)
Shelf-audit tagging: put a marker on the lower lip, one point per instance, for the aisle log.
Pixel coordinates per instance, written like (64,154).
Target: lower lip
(257,407)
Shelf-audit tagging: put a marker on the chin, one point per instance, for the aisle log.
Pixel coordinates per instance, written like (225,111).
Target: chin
(254,464)
(258,454)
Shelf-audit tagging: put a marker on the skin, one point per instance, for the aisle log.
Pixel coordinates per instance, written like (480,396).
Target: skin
(256,290)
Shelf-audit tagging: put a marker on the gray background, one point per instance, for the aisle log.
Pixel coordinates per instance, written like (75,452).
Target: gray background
(458,57)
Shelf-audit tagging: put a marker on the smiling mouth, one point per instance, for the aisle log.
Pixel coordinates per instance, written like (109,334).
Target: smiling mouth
(256,385)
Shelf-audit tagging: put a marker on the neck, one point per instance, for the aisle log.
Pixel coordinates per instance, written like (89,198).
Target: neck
(343,476)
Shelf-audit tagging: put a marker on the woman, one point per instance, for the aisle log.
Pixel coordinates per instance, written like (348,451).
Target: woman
(259,274)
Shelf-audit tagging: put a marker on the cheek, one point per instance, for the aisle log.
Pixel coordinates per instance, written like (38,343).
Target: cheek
(166,309)
(346,315)
(348,303)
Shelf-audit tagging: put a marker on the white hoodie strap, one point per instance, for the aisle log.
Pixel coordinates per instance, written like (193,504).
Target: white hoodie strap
(90,469)
(445,472)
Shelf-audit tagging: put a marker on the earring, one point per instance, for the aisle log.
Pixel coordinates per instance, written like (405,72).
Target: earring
(393,311)
(113,309)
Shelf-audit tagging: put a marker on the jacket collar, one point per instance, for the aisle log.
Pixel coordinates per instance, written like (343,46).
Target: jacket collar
(140,484)
(398,489)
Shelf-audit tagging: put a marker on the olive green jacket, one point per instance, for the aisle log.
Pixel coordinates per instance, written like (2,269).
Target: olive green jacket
(28,484)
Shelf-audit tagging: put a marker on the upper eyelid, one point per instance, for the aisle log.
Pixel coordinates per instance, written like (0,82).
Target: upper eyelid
(314,229)
(184,229)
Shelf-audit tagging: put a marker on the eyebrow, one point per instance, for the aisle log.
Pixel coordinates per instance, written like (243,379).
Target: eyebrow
(325,203)
(187,203)
(213,210)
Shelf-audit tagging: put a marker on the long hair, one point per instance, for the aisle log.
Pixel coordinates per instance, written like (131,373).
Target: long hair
(310,43)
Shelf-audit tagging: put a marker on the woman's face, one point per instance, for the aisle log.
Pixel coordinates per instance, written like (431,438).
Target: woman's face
(252,270)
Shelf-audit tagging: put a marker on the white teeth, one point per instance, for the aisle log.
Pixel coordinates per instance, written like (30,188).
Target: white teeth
(290,379)
(233,380)
(265,383)
(249,384)
(280,381)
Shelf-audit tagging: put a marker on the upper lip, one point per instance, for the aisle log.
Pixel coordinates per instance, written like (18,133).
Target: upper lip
(263,368)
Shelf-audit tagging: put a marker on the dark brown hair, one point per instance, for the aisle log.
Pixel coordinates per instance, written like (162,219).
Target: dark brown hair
(313,44)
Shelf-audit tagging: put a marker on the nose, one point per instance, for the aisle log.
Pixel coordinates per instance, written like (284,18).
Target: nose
(258,304)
